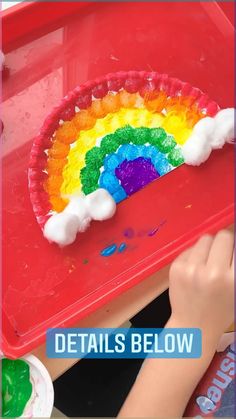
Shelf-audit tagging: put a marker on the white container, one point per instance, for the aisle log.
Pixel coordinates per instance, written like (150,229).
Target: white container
(40,404)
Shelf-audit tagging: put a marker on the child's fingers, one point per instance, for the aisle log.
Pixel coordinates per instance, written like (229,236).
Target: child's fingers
(221,251)
(201,249)
(184,255)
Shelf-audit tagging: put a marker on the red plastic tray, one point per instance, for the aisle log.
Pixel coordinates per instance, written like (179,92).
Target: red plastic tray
(44,286)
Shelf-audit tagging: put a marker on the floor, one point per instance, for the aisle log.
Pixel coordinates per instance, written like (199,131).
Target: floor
(100,387)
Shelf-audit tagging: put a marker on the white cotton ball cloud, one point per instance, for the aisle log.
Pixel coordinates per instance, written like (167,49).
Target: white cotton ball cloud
(62,228)
(209,134)
(205,127)
(78,207)
(101,205)
(224,131)
(196,150)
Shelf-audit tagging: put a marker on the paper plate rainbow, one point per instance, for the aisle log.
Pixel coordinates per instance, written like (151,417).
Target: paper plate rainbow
(119,132)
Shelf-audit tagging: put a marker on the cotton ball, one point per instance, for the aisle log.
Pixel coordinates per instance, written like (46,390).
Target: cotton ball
(84,224)
(61,228)
(205,127)
(208,134)
(225,113)
(196,150)
(77,206)
(100,204)
(223,133)
(224,128)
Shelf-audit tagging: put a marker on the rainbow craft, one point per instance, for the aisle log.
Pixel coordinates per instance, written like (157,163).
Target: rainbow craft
(119,133)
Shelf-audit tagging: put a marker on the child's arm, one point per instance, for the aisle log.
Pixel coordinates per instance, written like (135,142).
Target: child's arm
(201,295)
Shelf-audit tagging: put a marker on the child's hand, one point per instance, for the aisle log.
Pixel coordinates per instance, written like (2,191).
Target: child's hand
(202,286)
(201,295)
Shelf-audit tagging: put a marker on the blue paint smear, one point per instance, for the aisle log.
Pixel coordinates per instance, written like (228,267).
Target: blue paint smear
(122,247)
(108,251)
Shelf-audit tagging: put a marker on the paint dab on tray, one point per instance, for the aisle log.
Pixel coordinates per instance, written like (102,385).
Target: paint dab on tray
(152,232)
(122,247)
(108,251)
(129,233)
(156,229)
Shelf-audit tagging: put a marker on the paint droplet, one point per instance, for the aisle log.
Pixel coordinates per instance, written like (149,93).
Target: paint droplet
(154,231)
(85,261)
(108,251)
(122,247)
(129,233)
